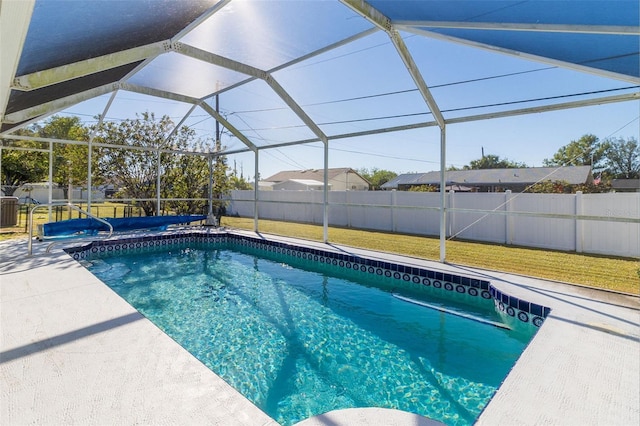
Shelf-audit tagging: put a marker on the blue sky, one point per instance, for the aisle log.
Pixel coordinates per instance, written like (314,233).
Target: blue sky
(326,87)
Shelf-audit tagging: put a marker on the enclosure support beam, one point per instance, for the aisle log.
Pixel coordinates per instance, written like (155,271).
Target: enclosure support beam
(303,58)
(158,182)
(240,67)
(511,113)
(217,147)
(631,30)
(213,10)
(15,17)
(325,201)
(212,58)
(1,169)
(443,192)
(86,67)
(90,149)
(406,57)
(210,191)
(384,23)
(230,127)
(50,191)
(90,170)
(635,96)
(179,125)
(377,18)
(256,191)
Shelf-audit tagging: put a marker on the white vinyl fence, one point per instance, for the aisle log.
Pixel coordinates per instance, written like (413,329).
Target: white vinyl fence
(606,224)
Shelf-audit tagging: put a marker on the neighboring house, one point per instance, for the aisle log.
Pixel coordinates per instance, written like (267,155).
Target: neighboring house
(109,190)
(493,180)
(625,185)
(37,193)
(340,179)
(264,186)
(299,185)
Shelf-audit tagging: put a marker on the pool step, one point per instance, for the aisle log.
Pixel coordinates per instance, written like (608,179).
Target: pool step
(451,311)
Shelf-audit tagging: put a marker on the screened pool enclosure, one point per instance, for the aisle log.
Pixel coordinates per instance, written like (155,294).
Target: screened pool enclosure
(279,75)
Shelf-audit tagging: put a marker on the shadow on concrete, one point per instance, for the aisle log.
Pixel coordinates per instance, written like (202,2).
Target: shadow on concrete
(62,339)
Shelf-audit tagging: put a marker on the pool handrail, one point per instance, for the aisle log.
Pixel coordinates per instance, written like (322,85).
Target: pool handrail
(71,206)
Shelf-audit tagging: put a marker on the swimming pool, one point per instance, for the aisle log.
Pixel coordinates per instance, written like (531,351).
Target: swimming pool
(301,331)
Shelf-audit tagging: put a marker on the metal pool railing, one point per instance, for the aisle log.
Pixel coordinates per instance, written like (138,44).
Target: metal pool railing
(69,205)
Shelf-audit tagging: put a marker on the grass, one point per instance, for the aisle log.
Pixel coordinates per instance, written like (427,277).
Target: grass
(610,273)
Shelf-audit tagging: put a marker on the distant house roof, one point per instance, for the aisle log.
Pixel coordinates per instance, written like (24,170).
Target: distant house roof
(574,175)
(300,184)
(626,184)
(38,185)
(308,182)
(312,174)
(405,179)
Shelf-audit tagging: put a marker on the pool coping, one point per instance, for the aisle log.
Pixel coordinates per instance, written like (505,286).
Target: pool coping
(582,367)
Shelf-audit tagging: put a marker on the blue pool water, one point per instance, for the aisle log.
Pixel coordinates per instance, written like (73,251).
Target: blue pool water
(301,342)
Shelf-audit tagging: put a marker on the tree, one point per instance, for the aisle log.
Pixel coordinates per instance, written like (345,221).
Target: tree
(221,183)
(238,182)
(493,162)
(377,177)
(136,170)
(586,151)
(551,187)
(564,187)
(19,166)
(424,188)
(189,178)
(622,158)
(70,161)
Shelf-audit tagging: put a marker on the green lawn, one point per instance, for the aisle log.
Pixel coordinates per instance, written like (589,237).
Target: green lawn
(609,273)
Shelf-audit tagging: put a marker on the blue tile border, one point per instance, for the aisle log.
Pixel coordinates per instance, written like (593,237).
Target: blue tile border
(510,306)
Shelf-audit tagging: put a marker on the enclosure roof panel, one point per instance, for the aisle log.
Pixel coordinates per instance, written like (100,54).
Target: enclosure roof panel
(598,34)
(606,52)
(560,12)
(20,100)
(64,32)
(269,34)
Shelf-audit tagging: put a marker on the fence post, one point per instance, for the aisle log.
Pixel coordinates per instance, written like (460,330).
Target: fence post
(393,210)
(452,215)
(508,195)
(347,201)
(579,223)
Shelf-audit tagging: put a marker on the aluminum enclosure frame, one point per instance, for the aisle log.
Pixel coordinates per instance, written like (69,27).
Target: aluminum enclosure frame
(138,58)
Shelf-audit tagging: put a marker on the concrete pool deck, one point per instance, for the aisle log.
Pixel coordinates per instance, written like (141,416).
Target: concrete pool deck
(73,352)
